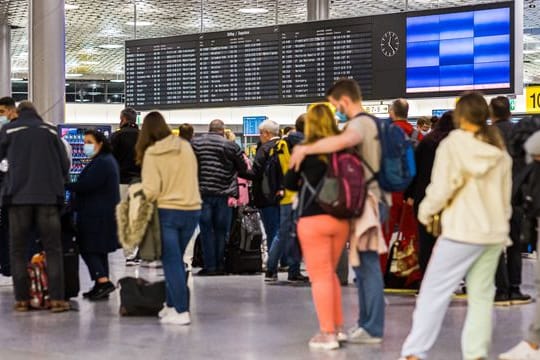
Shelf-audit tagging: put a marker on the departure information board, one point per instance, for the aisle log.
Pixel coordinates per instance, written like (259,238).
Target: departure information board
(283,64)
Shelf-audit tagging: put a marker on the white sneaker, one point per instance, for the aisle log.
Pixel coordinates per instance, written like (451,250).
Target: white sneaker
(157,264)
(165,311)
(342,336)
(324,342)
(174,318)
(522,351)
(357,335)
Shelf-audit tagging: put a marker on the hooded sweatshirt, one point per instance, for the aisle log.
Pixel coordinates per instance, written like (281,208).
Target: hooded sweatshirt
(472,182)
(169,175)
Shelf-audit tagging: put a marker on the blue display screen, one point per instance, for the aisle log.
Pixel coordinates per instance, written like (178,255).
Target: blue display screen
(459,51)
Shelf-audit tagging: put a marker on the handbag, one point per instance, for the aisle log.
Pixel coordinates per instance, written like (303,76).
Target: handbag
(139,297)
(435,226)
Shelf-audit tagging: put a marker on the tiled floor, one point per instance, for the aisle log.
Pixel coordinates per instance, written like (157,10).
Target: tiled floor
(233,318)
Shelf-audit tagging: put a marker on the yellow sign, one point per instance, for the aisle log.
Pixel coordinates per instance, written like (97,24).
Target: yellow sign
(532,95)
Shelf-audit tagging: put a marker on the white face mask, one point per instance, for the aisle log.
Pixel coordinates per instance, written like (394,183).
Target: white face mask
(3,120)
(424,132)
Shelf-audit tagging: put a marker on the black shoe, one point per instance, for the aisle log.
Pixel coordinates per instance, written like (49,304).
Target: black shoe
(502,299)
(102,291)
(90,292)
(298,278)
(517,298)
(203,272)
(270,277)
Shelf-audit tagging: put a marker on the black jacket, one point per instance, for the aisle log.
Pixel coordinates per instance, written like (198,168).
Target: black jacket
(294,138)
(123,144)
(220,162)
(314,169)
(425,158)
(38,164)
(257,172)
(96,196)
(506,127)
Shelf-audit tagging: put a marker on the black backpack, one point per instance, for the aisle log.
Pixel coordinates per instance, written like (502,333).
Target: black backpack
(520,134)
(272,179)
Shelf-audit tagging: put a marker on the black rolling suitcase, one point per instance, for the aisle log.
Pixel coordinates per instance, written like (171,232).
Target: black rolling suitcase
(71,256)
(243,252)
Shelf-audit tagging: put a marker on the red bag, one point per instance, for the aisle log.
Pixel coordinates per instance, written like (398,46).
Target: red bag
(39,283)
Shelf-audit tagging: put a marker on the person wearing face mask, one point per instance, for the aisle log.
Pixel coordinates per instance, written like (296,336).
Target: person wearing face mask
(423,125)
(8,110)
(361,133)
(96,196)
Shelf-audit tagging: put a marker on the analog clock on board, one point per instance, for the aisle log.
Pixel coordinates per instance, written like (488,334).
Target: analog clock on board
(389,44)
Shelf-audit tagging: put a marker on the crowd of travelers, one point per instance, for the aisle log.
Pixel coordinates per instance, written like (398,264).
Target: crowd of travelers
(435,207)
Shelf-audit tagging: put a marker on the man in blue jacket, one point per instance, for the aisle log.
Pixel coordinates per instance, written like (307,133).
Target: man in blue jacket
(33,191)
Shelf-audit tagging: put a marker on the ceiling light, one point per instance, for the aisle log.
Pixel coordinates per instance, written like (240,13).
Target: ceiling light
(71,7)
(253,10)
(111,46)
(17,79)
(139,23)
(74,75)
(89,62)
(531,51)
(117,80)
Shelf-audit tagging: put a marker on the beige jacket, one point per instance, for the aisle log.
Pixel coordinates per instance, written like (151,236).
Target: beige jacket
(169,175)
(472,182)
(366,232)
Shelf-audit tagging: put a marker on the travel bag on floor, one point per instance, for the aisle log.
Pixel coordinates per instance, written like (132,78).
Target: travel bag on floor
(139,297)
(39,282)
(243,252)
(70,252)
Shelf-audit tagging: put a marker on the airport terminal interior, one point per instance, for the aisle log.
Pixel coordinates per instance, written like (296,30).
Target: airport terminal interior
(113,87)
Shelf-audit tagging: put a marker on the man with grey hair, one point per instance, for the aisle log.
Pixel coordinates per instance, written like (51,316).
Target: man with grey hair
(220,162)
(267,205)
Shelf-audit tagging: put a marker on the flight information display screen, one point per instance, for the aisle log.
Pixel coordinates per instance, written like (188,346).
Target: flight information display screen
(437,52)
(470,50)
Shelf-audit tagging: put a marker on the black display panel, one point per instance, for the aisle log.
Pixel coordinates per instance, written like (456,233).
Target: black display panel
(284,64)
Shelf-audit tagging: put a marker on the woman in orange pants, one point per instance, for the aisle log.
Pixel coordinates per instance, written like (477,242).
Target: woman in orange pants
(322,237)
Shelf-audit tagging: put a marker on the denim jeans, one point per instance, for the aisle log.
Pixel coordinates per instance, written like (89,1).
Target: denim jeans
(369,281)
(215,226)
(22,220)
(270,219)
(98,265)
(177,226)
(282,246)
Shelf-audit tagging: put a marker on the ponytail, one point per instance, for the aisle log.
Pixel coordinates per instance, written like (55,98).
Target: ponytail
(491,135)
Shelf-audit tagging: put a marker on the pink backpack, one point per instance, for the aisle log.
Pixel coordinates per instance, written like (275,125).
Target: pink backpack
(342,191)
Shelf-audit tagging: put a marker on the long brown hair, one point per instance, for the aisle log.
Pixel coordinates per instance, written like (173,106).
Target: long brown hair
(473,107)
(154,129)
(320,123)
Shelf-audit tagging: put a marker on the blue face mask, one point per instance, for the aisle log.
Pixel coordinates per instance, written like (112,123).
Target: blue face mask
(341,117)
(3,120)
(89,150)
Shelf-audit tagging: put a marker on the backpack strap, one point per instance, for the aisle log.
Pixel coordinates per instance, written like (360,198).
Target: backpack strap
(314,191)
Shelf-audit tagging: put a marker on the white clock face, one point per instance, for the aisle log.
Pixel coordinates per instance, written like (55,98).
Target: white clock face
(389,44)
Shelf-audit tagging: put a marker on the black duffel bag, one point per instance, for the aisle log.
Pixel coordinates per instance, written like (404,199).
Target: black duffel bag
(139,297)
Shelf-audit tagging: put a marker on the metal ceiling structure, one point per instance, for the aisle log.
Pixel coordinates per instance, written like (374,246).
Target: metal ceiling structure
(91,24)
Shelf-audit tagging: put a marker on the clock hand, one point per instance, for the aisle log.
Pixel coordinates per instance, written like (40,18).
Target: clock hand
(391,47)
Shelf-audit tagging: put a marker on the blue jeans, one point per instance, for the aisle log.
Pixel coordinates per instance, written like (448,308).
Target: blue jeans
(283,246)
(270,219)
(177,226)
(215,225)
(369,281)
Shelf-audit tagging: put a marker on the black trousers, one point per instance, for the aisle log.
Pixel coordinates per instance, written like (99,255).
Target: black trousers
(22,220)
(426,242)
(509,270)
(98,265)
(5,268)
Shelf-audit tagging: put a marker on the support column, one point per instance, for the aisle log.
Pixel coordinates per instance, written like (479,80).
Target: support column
(5,60)
(47,59)
(318,10)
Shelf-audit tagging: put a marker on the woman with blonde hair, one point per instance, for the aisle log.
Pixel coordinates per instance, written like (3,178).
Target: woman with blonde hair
(322,236)
(169,177)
